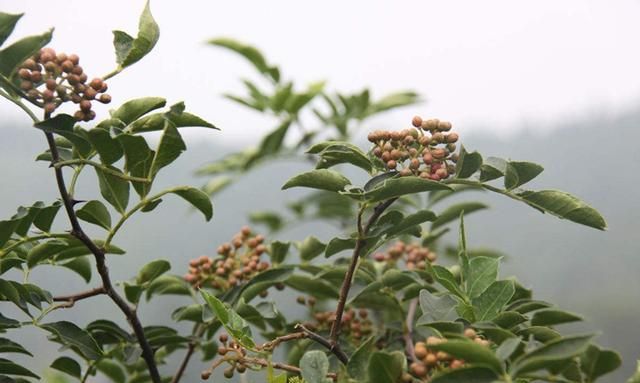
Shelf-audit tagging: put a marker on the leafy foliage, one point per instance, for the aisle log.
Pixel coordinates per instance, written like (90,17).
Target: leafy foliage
(402,313)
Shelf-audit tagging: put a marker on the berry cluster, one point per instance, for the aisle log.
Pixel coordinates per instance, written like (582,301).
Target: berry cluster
(238,262)
(235,363)
(52,79)
(426,150)
(414,255)
(355,325)
(429,361)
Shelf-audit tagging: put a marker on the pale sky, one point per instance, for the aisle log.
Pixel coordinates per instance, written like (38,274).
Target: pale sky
(480,64)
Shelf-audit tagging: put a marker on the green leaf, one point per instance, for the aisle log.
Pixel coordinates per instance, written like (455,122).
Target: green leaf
(10,368)
(44,219)
(112,370)
(492,168)
(71,335)
(453,212)
(596,362)
(138,157)
(130,50)
(471,352)
(493,299)
(167,285)
(45,250)
(278,251)
(15,54)
(107,147)
(68,366)
(113,189)
(551,352)
(80,265)
(272,220)
(271,143)
(507,348)
(319,179)
(197,198)
(133,292)
(358,363)
(519,173)
(509,319)
(314,366)
(316,287)
(443,276)
(386,367)
(7,345)
(96,213)
(541,334)
(232,322)
(524,306)
(552,317)
(8,21)
(396,187)
(103,328)
(310,248)
(63,125)
(250,53)
(392,101)
(410,221)
(468,163)
(169,149)
(437,308)
(483,271)
(155,122)
(136,108)
(564,205)
(337,245)
(466,375)
(8,322)
(152,270)
(337,152)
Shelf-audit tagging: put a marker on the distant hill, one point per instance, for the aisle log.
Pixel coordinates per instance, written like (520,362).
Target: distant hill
(583,270)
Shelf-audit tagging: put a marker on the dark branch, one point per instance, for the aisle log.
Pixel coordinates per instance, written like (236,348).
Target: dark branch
(346,283)
(76,231)
(72,299)
(333,347)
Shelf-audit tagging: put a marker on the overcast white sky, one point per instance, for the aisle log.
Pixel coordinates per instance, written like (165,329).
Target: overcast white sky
(490,64)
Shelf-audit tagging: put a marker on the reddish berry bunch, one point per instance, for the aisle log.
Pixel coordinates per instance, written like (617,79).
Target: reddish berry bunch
(52,79)
(238,261)
(355,325)
(414,255)
(429,361)
(426,151)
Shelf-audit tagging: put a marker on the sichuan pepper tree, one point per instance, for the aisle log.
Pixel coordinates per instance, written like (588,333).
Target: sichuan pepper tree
(379,302)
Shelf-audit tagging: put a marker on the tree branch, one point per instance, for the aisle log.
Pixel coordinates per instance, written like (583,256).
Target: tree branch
(346,283)
(72,299)
(76,231)
(408,334)
(333,347)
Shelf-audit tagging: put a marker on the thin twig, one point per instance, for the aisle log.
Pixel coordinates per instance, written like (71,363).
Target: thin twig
(72,299)
(269,346)
(346,283)
(280,366)
(333,347)
(197,333)
(99,254)
(408,335)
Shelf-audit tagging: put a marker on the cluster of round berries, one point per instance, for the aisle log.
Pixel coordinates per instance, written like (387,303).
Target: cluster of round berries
(239,261)
(355,325)
(414,255)
(52,79)
(427,151)
(235,364)
(428,361)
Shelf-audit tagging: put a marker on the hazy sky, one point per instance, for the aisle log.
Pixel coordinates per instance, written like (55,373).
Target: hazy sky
(489,64)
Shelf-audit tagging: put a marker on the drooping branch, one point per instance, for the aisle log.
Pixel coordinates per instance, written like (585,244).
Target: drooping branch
(99,255)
